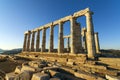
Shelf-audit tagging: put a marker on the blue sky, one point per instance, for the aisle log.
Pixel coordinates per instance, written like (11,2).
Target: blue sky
(18,16)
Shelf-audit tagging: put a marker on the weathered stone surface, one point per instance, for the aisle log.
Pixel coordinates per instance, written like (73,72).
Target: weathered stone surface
(18,69)
(11,76)
(25,75)
(111,77)
(40,76)
(37,64)
(71,63)
(96,66)
(55,79)
(28,68)
(61,59)
(87,76)
(51,68)
(53,73)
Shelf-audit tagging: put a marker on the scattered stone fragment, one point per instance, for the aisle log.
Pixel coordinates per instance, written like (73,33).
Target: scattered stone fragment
(87,76)
(26,75)
(18,69)
(111,77)
(11,76)
(54,79)
(40,76)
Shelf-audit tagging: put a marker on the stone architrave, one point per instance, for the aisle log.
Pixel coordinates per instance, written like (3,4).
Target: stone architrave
(38,40)
(28,41)
(43,40)
(25,41)
(97,42)
(60,39)
(90,36)
(51,44)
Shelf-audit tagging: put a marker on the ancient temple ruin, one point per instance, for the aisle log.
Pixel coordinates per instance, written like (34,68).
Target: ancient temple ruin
(74,40)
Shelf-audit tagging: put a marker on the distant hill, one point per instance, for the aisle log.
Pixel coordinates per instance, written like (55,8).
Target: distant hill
(111,53)
(1,50)
(13,51)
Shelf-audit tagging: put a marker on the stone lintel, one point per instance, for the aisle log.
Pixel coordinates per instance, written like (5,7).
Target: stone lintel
(56,22)
(81,12)
(48,25)
(65,19)
(68,36)
(26,32)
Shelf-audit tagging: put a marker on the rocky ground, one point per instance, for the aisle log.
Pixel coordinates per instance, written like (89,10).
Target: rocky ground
(49,67)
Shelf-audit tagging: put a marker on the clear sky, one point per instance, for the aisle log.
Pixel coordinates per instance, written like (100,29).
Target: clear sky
(18,16)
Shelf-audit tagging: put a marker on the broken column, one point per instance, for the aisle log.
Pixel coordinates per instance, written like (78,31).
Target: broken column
(76,45)
(90,36)
(84,39)
(32,43)
(51,44)
(97,42)
(28,41)
(25,41)
(68,44)
(60,39)
(43,40)
(38,40)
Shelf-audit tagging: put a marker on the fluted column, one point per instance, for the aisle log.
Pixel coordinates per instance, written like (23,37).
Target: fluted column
(60,39)
(43,40)
(33,40)
(38,41)
(84,39)
(90,35)
(51,44)
(25,41)
(68,44)
(97,42)
(76,45)
(28,41)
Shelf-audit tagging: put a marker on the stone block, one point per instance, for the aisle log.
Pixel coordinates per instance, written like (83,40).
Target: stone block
(111,77)
(53,73)
(96,66)
(40,76)
(11,76)
(54,79)
(18,69)
(28,68)
(51,68)
(70,63)
(62,60)
(87,76)
(25,75)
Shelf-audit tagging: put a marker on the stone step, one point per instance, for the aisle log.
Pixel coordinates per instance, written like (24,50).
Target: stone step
(87,76)
(40,76)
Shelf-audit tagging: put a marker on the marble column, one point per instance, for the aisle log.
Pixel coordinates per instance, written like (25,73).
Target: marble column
(28,41)
(43,40)
(60,39)
(38,41)
(25,41)
(76,45)
(97,42)
(51,44)
(68,44)
(33,40)
(84,39)
(90,36)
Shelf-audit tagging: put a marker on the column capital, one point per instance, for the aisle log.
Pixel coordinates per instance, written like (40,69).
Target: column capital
(88,13)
